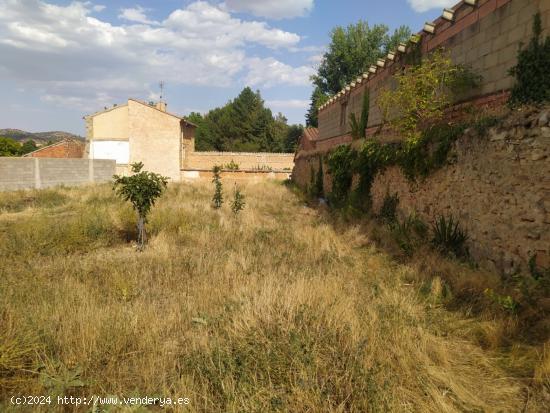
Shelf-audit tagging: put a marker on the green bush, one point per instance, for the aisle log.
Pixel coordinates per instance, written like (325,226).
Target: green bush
(340,166)
(532,69)
(388,210)
(409,233)
(448,237)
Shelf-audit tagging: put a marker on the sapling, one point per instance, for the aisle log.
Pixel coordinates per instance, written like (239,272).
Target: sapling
(237,204)
(142,189)
(217,199)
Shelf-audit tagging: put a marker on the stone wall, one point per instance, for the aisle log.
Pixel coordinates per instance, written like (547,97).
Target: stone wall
(23,173)
(497,185)
(485,38)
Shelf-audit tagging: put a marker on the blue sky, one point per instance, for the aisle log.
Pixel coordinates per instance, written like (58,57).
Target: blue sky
(60,60)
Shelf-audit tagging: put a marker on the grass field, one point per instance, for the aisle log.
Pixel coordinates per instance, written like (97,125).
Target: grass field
(276,310)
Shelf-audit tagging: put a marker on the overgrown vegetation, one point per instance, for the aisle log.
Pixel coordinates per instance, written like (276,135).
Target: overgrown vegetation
(531,71)
(281,310)
(359,128)
(142,189)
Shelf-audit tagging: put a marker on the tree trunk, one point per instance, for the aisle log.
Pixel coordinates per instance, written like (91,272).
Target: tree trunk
(141,232)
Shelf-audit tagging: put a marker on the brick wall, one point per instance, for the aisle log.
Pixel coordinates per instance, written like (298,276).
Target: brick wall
(67,148)
(23,173)
(485,37)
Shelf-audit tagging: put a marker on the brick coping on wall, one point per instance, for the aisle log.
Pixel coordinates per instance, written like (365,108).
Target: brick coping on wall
(246,170)
(210,153)
(490,100)
(443,31)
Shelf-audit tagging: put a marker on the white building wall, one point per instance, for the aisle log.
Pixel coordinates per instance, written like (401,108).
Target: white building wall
(116,150)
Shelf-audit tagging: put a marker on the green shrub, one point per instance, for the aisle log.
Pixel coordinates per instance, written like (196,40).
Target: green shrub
(340,166)
(505,302)
(448,237)
(409,233)
(232,166)
(237,204)
(388,210)
(532,69)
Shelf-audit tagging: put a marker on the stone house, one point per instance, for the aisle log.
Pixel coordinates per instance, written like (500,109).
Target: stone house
(140,132)
(65,148)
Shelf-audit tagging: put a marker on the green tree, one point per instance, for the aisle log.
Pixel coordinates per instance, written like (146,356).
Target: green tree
(142,189)
(352,50)
(318,97)
(217,199)
(28,146)
(532,70)
(243,124)
(293,135)
(9,147)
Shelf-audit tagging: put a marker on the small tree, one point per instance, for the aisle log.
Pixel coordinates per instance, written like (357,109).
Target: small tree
(217,199)
(237,204)
(422,93)
(142,189)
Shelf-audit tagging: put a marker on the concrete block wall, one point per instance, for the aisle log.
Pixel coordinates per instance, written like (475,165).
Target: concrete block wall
(485,38)
(24,173)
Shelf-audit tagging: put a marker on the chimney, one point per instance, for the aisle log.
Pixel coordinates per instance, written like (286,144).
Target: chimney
(161,106)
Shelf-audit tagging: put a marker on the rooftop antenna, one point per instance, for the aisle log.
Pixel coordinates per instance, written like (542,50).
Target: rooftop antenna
(161,84)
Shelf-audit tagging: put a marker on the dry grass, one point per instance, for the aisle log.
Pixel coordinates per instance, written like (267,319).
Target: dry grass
(272,311)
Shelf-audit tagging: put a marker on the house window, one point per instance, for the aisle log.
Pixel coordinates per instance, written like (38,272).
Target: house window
(343,111)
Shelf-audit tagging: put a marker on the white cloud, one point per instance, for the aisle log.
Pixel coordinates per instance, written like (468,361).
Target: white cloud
(425,5)
(72,58)
(288,104)
(269,72)
(274,9)
(135,14)
(98,8)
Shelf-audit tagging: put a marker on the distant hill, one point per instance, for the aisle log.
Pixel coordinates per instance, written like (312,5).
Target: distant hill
(40,138)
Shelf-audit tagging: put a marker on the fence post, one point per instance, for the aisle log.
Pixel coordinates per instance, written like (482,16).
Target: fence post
(37,181)
(90,170)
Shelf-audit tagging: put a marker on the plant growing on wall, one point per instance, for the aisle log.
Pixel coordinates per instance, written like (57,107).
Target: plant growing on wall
(448,237)
(340,166)
(532,70)
(237,204)
(217,199)
(359,128)
(142,189)
(422,93)
(232,166)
